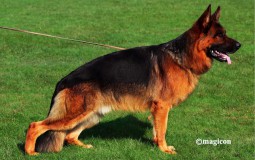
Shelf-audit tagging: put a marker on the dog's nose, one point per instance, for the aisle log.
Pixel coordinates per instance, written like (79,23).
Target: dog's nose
(238,45)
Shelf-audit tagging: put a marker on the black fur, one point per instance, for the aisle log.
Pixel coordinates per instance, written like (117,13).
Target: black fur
(131,66)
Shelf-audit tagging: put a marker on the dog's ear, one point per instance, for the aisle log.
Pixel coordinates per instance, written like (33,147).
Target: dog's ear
(216,15)
(205,19)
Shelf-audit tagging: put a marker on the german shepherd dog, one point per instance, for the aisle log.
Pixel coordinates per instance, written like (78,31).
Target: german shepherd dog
(154,78)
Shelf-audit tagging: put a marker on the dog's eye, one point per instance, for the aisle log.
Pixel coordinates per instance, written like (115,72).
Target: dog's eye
(221,35)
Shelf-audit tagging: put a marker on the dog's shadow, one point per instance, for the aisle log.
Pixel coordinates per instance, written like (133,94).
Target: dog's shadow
(127,127)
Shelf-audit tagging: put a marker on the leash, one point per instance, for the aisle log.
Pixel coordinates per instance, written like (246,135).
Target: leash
(59,37)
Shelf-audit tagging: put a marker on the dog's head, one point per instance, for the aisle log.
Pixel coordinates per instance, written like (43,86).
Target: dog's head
(212,39)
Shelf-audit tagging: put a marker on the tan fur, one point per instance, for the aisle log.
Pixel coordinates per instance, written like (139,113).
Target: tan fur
(58,110)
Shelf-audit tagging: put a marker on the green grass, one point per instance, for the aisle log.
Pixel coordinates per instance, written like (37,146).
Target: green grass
(222,106)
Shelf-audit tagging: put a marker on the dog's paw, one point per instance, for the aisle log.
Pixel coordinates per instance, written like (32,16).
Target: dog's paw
(87,146)
(33,153)
(169,150)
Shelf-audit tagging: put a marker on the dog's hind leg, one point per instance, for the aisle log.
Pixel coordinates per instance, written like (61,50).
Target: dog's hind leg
(71,108)
(34,131)
(72,135)
(38,128)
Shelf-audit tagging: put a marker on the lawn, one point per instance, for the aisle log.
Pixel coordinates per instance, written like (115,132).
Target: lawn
(222,105)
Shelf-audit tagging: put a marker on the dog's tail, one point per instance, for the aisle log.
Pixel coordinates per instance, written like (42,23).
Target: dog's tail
(50,141)
(53,141)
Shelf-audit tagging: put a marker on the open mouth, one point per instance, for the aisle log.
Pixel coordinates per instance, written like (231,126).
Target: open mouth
(220,56)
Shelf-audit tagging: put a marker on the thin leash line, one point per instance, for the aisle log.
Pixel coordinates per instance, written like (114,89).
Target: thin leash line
(59,37)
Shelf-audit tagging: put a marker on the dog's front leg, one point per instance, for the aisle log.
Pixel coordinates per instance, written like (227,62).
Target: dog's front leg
(160,111)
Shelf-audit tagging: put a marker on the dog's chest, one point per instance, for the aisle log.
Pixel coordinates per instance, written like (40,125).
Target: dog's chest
(180,86)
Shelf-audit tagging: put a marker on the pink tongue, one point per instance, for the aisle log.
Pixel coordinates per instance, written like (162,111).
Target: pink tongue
(228,60)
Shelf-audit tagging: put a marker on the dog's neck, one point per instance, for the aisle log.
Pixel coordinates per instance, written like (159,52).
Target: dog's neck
(178,50)
(177,46)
